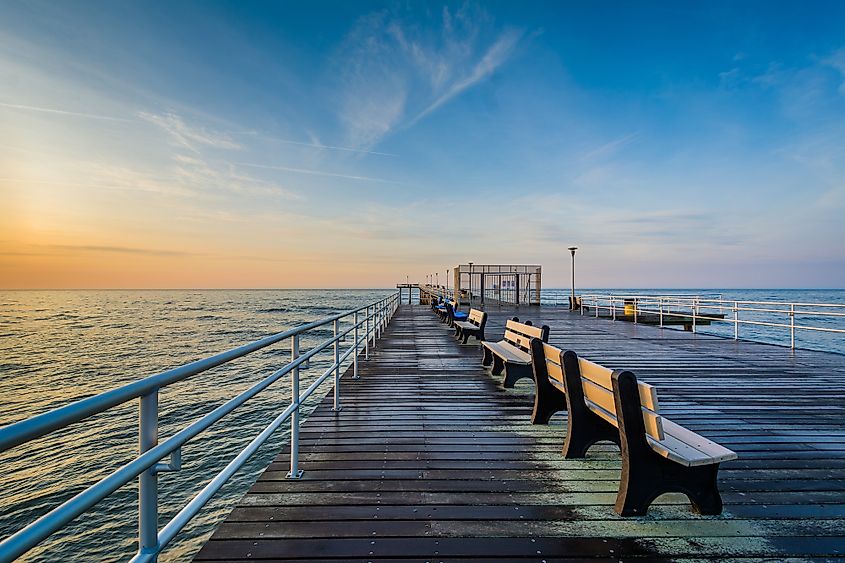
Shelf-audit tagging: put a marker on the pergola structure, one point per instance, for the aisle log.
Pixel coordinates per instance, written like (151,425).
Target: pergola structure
(505,283)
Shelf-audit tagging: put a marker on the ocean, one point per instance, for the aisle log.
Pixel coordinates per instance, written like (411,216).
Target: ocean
(61,346)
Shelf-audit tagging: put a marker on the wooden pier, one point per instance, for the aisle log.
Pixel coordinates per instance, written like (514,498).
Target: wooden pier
(430,459)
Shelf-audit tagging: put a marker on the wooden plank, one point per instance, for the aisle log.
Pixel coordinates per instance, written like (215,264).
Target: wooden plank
(431,459)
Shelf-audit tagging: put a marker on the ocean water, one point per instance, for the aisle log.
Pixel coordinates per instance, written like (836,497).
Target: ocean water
(60,346)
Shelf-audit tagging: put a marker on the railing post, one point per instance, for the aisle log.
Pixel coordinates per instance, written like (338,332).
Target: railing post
(367,335)
(295,472)
(377,322)
(336,366)
(596,305)
(736,320)
(355,353)
(148,480)
(792,325)
(660,306)
(694,313)
(636,310)
(613,307)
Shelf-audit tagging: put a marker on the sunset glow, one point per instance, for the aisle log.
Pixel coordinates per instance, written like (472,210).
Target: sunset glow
(204,145)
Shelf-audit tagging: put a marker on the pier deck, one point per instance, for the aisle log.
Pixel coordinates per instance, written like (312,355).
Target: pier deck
(432,460)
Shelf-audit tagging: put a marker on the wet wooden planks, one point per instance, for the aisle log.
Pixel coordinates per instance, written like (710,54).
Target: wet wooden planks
(430,459)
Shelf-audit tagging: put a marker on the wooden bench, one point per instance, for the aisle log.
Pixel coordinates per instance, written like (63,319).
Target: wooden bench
(473,326)
(512,353)
(658,455)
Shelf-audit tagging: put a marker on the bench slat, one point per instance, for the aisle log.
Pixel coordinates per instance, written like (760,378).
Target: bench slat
(603,377)
(705,451)
(553,367)
(527,330)
(508,352)
(604,400)
(519,340)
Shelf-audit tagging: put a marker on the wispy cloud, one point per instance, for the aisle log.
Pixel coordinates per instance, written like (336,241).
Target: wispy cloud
(315,172)
(837,61)
(69,113)
(393,74)
(54,249)
(315,144)
(498,53)
(118,250)
(189,136)
(611,147)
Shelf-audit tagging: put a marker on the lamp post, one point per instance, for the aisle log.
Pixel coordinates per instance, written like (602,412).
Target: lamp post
(572,303)
(437,277)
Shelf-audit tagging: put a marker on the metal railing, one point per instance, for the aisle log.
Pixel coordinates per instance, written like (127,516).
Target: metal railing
(438,291)
(371,320)
(694,308)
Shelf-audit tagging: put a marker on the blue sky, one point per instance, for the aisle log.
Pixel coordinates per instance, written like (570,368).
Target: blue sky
(281,144)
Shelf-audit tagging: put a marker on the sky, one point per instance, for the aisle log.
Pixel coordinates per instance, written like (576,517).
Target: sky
(352,144)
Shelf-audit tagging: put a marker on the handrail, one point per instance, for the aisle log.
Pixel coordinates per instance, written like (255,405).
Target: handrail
(147,465)
(690,307)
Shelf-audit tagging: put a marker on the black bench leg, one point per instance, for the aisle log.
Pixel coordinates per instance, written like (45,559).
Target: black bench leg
(515,372)
(644,480)
(487,358)
(498,365)
(547,401)
(584,428)
(466,335)
(457,333)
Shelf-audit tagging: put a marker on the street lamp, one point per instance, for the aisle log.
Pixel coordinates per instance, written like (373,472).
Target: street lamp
(572,250)
(437,277)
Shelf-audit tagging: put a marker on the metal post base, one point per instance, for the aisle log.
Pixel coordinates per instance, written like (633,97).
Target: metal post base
(297,475)
(337,409)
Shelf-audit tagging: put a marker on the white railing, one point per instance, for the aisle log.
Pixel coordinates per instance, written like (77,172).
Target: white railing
(370,320)
(691,309)
(438,291)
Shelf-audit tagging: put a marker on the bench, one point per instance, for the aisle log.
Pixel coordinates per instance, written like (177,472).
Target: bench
(658,455)
(436,304)
(448,313)
(452,315)
(473,326)
(512,353)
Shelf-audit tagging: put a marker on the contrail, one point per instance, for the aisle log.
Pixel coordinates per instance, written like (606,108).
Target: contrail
(316,172)
(64,112)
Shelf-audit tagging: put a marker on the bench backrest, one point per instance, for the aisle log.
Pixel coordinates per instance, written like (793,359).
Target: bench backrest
(520,334)
(554,363)
(597,383)
(597,388)
(478,318)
